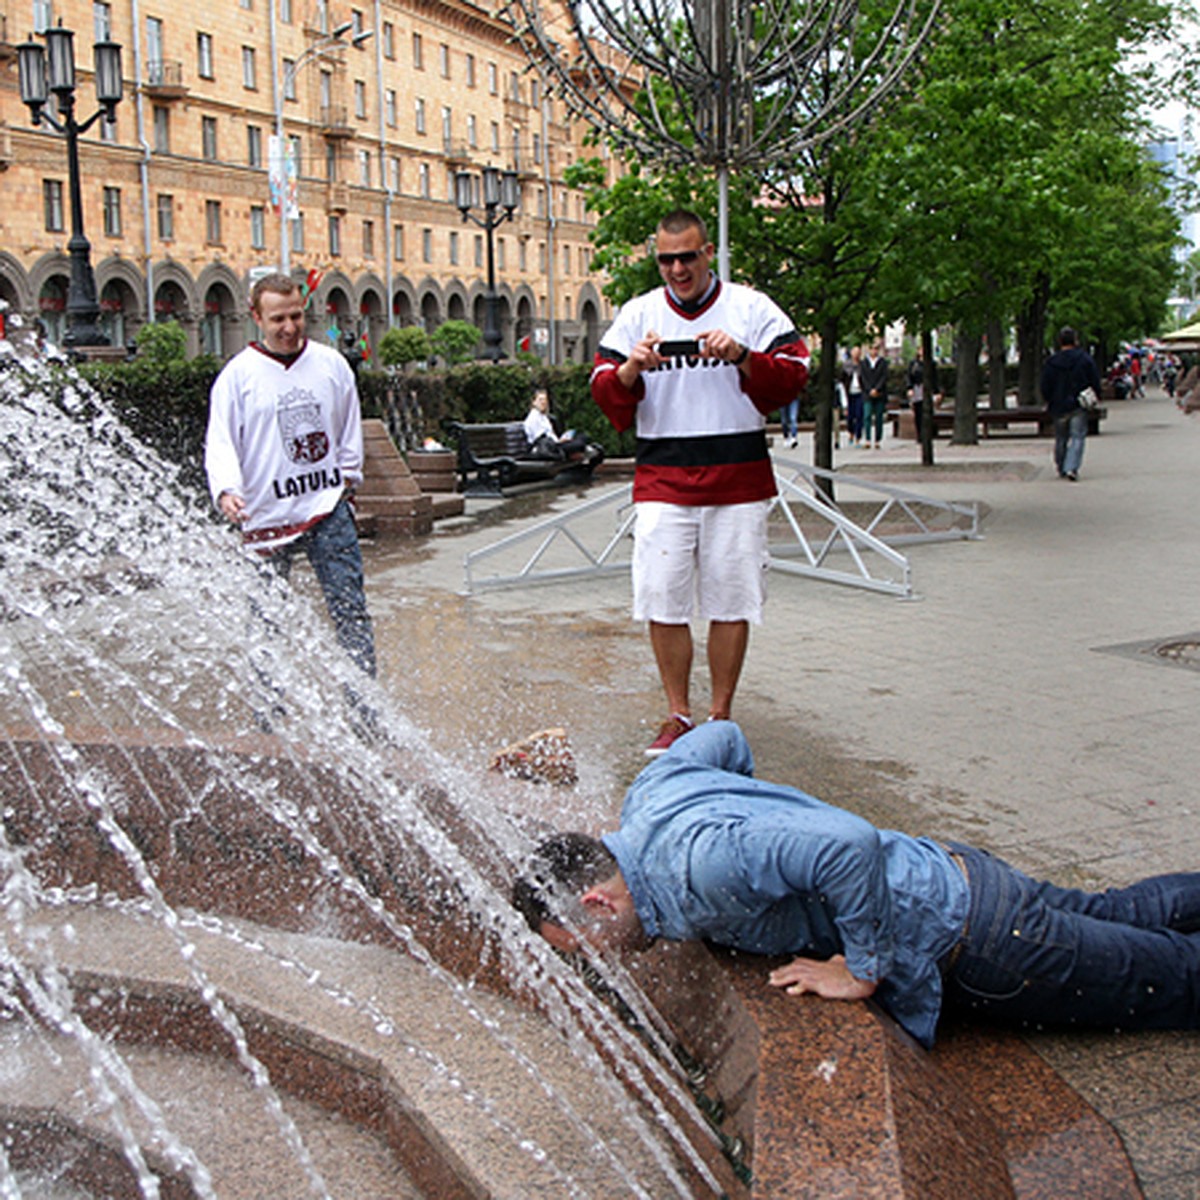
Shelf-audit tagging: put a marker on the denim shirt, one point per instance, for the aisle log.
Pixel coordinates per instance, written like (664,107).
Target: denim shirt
(709,852)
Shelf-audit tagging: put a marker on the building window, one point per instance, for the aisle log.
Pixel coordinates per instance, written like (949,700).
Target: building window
(289,79)
(254,154)
(101,21)
(427,245)
(322,13)
(395,173)
(479,249)
(357,26)
(297,233)
(495,137)
(258,227)
(368,239)
(423,181)
(162,129)
(331,161)
(444,60)
(249,69)
(420,115)
(522,255)
(208,138)
(493,79)
(418,57)
(285,11)
(537,148)
(52,204)
(514,86)
(541,258)
(297,146)
(397,242)
(108,130)
(204,55)
(112,212)
(164,206)
(389,40)
(43,15)
(454,248)
(470,70)
(364,167)
(389,106)
(501,256)
(447,127)
(335,236)
(472,134)
(541,202)
(360,99)
(534,92)
(566,260)
(212,222)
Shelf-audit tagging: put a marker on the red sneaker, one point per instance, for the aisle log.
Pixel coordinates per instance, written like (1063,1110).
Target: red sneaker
(673,728)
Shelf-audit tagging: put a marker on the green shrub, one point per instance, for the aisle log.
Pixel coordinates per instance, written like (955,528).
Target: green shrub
(401,346)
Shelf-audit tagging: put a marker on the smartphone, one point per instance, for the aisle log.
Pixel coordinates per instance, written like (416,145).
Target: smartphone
(679,349)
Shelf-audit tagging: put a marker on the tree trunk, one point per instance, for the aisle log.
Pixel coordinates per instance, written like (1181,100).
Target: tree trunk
(925,432)
(826,381)
(1031,341)
(996,355)
(966,388)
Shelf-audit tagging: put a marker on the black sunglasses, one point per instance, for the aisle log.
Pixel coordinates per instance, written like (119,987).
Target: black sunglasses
(684,256)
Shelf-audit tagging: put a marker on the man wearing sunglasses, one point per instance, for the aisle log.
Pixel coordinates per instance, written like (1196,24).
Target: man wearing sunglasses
(696,365)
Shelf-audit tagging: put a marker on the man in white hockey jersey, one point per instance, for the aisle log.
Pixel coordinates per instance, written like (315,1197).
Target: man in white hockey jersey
(284,452)
(698,364)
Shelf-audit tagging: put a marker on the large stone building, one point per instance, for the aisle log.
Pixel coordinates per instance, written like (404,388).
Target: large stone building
(177,191)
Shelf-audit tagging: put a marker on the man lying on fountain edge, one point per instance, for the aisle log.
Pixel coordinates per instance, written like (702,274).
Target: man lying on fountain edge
(704,850)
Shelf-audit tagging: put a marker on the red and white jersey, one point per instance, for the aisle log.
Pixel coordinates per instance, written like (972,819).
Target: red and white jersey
(285,437)
(701,423)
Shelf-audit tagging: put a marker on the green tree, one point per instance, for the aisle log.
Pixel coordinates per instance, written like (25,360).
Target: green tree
(455,341)
(403,345)
(162,342)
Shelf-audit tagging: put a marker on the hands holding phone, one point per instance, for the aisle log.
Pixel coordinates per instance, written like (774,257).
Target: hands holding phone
(653,351)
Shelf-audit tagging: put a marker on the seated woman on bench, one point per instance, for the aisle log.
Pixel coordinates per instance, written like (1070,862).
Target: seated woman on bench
(544,441)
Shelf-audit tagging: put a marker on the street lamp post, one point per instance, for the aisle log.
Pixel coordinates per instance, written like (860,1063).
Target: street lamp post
(501,190)
(38,78)
(328,44)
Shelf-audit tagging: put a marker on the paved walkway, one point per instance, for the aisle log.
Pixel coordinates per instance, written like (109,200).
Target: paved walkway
(1016,703)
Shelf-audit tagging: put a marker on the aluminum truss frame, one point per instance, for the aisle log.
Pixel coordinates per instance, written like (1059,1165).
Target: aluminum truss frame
(583,527)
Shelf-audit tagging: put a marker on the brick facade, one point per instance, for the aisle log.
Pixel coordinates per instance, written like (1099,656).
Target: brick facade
(192,211)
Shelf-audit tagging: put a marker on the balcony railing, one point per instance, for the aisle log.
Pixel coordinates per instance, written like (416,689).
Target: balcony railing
(164,78)
(335,121)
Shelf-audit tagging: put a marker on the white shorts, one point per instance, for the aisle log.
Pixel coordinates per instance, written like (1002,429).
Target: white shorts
(709,560)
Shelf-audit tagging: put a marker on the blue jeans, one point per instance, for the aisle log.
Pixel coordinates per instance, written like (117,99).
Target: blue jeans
(789,417)
(1038,954)
(873,410)
(332,548)
(854,416)
(1070,432)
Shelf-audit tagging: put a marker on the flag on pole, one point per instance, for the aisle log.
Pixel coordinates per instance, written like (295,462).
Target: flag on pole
(310,285)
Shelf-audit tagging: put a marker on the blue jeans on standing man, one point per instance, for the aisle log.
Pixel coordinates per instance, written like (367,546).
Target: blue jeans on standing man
(1070,432)
(332,548)
(1127,958)
(789,419)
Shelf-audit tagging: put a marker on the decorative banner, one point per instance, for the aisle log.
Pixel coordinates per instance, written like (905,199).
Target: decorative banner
(281,175)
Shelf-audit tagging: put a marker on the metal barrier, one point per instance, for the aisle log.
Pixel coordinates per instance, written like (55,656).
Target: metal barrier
(560,547)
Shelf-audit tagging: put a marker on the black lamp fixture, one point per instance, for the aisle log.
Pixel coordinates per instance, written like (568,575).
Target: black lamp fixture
(493,190)
(47,69)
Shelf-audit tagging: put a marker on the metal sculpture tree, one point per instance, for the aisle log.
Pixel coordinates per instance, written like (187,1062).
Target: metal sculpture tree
(728,84)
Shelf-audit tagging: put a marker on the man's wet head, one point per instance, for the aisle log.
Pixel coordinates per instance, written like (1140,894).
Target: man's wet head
(572,891)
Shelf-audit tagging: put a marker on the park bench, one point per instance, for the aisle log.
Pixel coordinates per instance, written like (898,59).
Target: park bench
(991,420)
(492,457)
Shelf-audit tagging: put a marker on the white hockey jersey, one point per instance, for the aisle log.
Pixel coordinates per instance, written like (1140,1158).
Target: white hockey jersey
(286,437)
